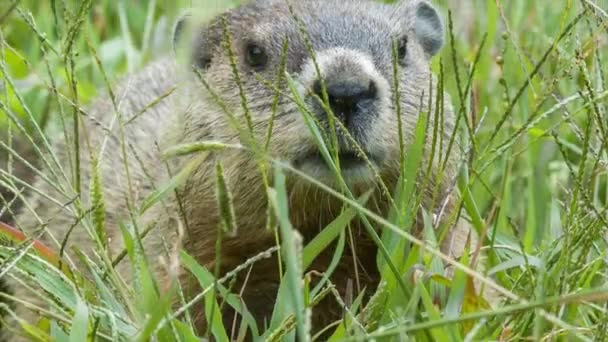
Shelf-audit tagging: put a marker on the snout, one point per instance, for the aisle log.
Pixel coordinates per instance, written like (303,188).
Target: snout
(349,86)
(353,86)
(349,101)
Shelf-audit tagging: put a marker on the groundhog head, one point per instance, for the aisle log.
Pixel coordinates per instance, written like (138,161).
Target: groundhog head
(347,48)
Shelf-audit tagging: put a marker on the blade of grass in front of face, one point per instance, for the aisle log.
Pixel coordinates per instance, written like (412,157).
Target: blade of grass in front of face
(319,141)
(291,248)
(311,125)
(331,118)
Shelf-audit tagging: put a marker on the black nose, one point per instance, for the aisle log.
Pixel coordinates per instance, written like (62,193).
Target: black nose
(346,99)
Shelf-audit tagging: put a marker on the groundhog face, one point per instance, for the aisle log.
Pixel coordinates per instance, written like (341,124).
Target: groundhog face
(341,56)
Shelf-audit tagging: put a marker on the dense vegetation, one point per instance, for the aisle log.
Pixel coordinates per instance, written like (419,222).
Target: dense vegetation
(528,79)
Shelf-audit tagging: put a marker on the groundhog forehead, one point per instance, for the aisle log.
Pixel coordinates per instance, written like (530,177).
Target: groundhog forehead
(366,26)
(327,23)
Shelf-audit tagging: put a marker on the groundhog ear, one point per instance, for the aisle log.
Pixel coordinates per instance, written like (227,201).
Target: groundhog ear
(179,29)
(428,27)
(191,42)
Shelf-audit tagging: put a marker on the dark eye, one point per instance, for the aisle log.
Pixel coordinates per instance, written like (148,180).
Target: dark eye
(401,49)
(203,62)
(256,56)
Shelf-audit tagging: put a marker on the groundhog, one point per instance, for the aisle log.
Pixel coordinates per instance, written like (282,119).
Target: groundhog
(340,52)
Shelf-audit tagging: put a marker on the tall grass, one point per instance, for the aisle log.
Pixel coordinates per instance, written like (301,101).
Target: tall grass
(528,83)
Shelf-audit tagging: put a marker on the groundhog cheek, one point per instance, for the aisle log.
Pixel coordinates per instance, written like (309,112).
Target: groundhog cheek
(290,129)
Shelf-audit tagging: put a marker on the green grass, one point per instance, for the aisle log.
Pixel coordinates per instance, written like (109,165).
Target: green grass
(528,80)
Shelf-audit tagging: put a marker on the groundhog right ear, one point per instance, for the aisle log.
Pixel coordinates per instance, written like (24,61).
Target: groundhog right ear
(428,27)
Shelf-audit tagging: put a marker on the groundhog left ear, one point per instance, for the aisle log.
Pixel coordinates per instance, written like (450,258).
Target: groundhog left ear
(428,27)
